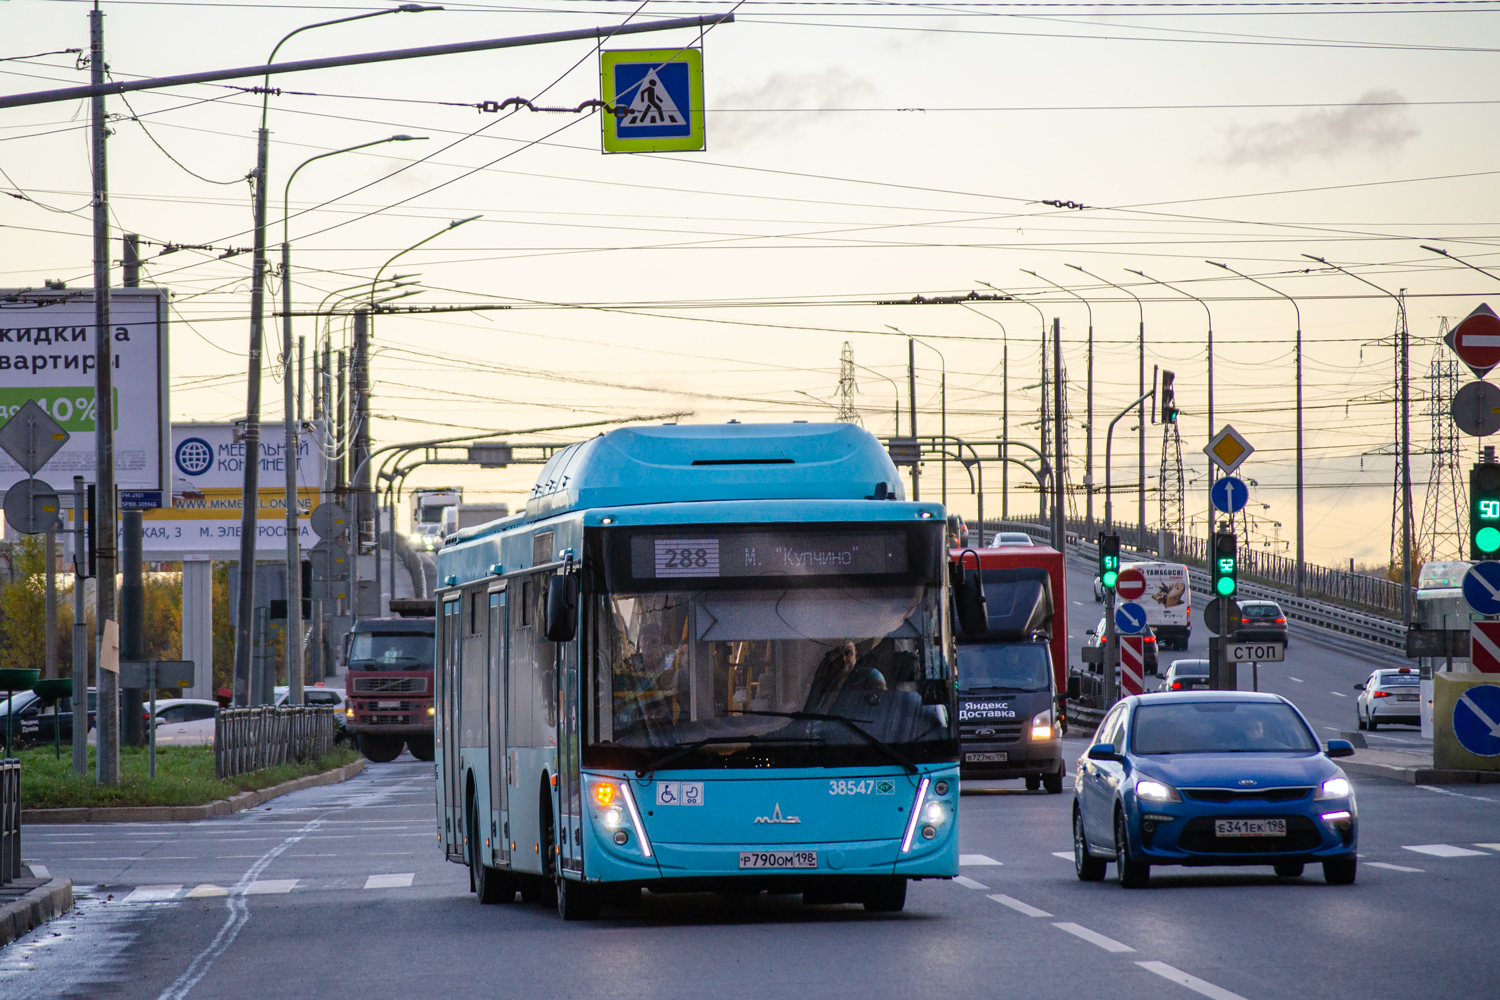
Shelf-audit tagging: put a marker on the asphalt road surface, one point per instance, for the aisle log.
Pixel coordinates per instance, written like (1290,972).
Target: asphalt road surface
(340,891)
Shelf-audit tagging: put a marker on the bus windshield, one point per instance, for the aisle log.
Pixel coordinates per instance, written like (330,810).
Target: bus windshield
(390,651)
(765,677)
(1003,667)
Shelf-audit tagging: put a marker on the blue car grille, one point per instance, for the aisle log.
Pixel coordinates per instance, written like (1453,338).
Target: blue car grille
(1248,796)
(1198,836)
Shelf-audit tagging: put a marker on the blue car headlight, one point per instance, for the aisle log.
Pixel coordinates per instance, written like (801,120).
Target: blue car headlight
(1151,790)
(1334,788)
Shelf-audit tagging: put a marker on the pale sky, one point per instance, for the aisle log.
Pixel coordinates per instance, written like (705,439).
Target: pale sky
(857,153)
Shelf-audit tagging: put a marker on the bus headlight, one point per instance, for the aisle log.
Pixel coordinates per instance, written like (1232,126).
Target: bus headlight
(934,813)
(612,818)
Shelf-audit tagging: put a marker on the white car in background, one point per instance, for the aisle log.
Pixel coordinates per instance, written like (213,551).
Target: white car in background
(1389,696)
(180,722)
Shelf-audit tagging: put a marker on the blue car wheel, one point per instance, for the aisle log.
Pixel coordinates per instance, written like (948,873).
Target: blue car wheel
(1133,874)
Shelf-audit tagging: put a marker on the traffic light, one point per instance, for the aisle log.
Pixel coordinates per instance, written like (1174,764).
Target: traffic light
(1484,512)
(1109,560)
(1168,398)
(1226,564)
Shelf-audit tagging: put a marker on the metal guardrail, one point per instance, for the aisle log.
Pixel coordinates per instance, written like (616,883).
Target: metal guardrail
(10,820)
(251,739)
(1334,617)
(1372,594)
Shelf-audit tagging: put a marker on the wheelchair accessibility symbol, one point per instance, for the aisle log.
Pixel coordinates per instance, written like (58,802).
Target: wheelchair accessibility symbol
(679,793)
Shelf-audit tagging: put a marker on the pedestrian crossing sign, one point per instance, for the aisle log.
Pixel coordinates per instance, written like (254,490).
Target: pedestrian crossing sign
(654,100)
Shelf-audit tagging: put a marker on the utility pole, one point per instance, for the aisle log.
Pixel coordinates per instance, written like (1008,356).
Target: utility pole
(132,585)
(108,697)
(1059,509)
(250,493)
(847,387)
(911,381)
(49,552)
(292,408)
(359,432)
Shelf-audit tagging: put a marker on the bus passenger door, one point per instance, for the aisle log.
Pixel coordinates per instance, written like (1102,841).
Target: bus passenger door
(499,700)
(450,648)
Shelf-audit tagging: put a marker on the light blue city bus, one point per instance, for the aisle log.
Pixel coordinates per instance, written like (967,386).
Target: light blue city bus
(703,658)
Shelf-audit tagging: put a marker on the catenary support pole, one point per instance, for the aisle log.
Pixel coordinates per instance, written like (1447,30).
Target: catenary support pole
(291,407)
(108,758)
(1059,506)
(49,654)
(80,672)
(132,622)
(911,382)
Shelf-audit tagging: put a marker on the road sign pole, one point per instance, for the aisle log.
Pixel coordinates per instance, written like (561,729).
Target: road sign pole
(1111,650)
(80,638)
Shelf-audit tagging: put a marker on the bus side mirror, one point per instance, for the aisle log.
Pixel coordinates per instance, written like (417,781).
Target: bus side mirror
(1075,687)
(968,595)
(562,607)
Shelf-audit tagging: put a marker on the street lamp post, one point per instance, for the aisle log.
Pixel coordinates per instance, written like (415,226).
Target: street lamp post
(1004,416)
(1041,489)
(250,496)
(1088,457)
(1211,467)
(1140,416)
(361,449)
(943,404)
(290,403)
(1406,518)
(1301,577)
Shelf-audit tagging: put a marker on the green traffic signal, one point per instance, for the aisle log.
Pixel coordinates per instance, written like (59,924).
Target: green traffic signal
(1109,560)
(1111,575)
(1487,539)
(1225,584)
(1225,565)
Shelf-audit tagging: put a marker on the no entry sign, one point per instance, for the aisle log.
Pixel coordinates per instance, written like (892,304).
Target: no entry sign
(1476,340)
(1131,584)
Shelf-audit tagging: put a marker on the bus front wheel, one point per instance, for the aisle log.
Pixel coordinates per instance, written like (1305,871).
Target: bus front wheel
(886,895)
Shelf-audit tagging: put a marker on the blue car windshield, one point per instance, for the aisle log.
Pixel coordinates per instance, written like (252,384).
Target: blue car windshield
(1004,667)
(1219,727)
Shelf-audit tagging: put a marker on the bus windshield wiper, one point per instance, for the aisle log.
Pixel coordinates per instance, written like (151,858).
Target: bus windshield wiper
(854,727)
(687,748)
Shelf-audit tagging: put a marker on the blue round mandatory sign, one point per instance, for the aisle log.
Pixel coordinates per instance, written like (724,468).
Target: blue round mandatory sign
(1229,494)
(1482,587)
(1130,618)
(1476,720)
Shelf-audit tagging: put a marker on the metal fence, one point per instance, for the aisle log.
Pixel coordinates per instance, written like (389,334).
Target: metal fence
(1368,593)
(250,739)
(10,820)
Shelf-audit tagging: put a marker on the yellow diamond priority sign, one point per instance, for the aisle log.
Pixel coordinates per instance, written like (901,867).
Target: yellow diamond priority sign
(1227,449)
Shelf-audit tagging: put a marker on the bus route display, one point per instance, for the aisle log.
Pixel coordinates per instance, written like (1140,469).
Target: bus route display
(758,554)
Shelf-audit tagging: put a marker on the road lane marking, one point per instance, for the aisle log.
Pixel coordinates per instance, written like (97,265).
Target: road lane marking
(1297,679)
(1065,855)
(1191,982)
(1491,847)
(39,871)
(1461,795)
(152,894)
(1338,694)
(1018,906)
(235,857)
(269,886)
(1394,868)
(977,859)
(969,883)
(1092,937)
(206,890)
(1443,850)
(312,855)
(395,881)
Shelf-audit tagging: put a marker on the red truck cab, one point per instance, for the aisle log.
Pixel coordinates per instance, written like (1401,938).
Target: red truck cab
(389,686)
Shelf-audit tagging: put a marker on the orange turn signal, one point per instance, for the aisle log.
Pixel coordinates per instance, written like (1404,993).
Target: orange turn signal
(604,793)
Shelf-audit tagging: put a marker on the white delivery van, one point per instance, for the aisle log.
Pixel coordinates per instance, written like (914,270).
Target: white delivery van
(1167,600)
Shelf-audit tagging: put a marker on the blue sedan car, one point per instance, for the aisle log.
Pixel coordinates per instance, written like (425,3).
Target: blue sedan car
(1211,778)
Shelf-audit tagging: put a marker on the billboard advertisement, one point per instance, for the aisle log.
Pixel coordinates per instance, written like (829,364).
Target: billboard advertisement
(47,353)
(208,468)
